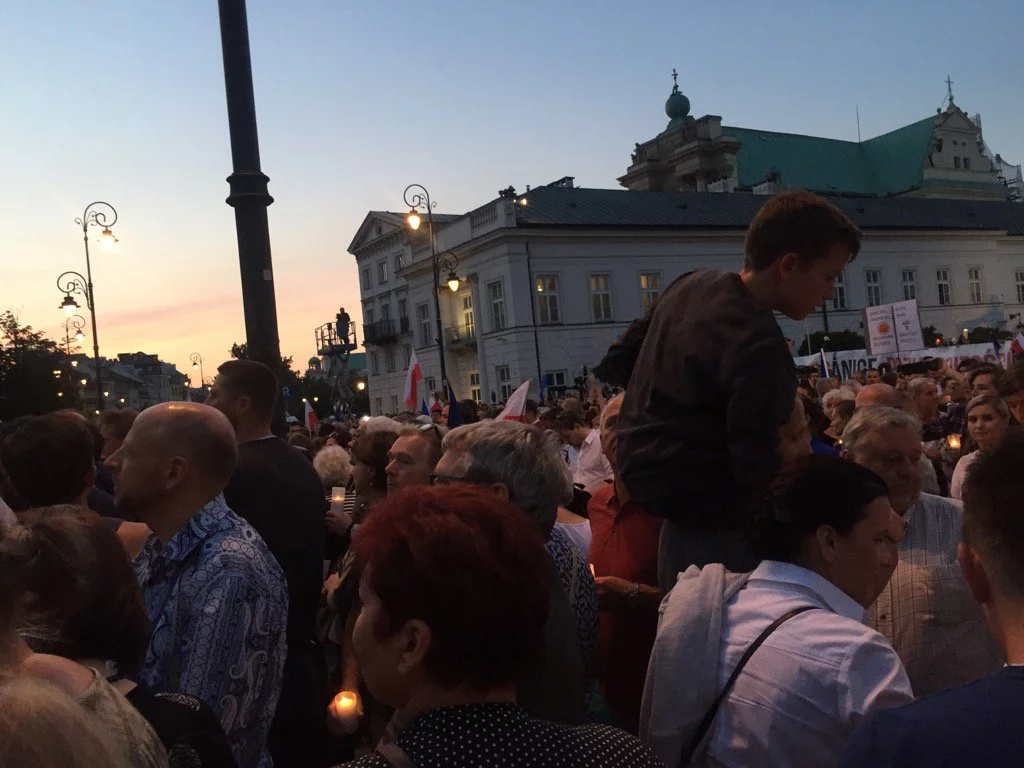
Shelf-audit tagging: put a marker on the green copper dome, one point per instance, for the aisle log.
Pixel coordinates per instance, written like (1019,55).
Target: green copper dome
(677,106)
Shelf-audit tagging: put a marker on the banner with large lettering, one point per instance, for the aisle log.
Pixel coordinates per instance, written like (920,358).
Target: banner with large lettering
(844,364)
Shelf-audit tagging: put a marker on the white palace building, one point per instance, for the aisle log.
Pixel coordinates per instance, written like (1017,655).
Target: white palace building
(550,277)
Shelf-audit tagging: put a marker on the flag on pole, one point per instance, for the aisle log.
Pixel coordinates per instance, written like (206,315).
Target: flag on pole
(454,412)
(1018,345)
(423,407)
(515,408)
(823,365)
(412,379)
(311,418)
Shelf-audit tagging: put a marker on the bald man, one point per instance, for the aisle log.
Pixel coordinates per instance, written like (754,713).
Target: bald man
(216,598)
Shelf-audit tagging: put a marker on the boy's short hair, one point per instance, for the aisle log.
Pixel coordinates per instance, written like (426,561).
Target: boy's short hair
(797,222)
(1012,381)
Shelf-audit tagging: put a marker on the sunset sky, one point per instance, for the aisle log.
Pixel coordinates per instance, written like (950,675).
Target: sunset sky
(123,101)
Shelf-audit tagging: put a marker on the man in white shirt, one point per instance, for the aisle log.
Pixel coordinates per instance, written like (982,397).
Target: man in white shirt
(591,469)
(925,610)
(816,677)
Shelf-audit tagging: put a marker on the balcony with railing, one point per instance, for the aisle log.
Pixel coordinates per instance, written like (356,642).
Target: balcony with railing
(460,336)
(381,332)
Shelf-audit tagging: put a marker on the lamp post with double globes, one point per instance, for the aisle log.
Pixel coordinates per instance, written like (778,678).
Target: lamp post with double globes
(78,323)
(197,365)
(417,198)
(97,214)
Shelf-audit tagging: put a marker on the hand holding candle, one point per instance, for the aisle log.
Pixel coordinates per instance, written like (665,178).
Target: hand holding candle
(345,710)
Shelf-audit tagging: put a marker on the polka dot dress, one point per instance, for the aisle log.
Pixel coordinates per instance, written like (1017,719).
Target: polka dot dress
(503,736)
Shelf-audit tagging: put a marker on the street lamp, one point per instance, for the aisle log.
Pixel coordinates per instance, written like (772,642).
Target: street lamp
(197,364)
(360,385)
(76,322)
(97,214)
(417,197)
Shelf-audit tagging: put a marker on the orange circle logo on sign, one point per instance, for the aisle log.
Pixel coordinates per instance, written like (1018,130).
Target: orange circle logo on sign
(883,328)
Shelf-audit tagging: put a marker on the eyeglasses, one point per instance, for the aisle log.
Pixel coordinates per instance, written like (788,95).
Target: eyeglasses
(436,479)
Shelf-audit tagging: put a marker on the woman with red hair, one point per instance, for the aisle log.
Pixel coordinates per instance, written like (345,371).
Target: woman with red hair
(454,588)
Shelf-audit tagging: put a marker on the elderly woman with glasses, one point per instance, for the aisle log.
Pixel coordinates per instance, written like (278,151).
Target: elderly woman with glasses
(522,464)
(455,594)
(987,420)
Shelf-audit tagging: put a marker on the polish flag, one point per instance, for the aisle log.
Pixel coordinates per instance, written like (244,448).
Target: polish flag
(1018,345)
(311,418)
(515,407)
(412,378)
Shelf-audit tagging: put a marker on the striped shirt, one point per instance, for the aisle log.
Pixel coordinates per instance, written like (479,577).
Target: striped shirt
(926,610)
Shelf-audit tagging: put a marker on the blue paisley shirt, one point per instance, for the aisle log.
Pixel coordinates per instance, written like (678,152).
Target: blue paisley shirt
(218,605)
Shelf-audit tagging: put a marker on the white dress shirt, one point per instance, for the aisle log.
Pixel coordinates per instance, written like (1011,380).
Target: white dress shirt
(592,468)
(956,485)
(812,681)
(926,610)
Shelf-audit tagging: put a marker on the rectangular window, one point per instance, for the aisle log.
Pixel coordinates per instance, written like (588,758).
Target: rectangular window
(406,355)
(430,384)
(601,297)
(554,379)
(839,289)
(974,284)
(375,363)
(389,359)
(474,386)
(426,333)
(956,161)
(394,403)
(1018,277)
(369,315)
(385,311)
(505,388)
(496,296)
(942,282)
(382,273)
(366,279)
(873,286)
(967,163)
(399,262)
(909,284)
(468,321)
(403,309)
(547,299)
(378,406)
(650,289)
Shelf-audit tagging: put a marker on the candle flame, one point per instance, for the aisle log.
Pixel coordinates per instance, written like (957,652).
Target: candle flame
(954,441)
(592,571)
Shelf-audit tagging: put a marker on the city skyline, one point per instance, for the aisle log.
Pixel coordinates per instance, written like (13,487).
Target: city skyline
(355,103)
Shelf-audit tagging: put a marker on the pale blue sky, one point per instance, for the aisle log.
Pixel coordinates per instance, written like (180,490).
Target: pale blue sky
(124,101)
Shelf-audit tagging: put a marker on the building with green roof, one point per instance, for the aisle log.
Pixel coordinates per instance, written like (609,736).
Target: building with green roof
(943,155)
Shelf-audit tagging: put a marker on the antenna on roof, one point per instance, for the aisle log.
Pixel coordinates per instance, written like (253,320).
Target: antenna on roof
(858,123)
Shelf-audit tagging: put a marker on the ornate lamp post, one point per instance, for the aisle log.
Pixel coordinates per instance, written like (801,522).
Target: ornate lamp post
(417,198)
(97,214)
(197,364)
(76,322)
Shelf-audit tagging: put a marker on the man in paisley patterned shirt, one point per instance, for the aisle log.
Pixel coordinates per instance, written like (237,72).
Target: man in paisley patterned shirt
(217,599)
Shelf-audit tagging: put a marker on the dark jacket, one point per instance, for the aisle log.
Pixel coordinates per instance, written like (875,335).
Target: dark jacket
(712,384)
(973,725)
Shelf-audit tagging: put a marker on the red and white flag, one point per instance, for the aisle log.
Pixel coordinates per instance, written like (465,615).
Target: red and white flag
(515,407)
(311,418)
(412,379)
(1018,345)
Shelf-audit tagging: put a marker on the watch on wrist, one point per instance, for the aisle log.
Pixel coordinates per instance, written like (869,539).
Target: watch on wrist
(634,593)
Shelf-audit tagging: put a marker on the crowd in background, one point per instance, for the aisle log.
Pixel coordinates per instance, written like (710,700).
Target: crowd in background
(724,561)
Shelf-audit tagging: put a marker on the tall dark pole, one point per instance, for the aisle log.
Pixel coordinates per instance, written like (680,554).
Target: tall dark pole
(415,201)
(249,196)
(100,404)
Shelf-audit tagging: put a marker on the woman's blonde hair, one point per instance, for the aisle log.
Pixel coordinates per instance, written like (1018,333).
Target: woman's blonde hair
(44,727)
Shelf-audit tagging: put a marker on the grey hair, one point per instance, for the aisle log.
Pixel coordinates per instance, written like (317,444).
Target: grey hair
(917,384)
(525,459)
(334,466)
(994,400)
(874,418)
(831,399)
(379,424)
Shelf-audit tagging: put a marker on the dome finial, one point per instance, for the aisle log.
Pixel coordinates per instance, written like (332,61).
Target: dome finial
(675,80)
(678,106)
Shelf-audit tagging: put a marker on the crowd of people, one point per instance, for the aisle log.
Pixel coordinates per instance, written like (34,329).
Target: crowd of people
(728,562)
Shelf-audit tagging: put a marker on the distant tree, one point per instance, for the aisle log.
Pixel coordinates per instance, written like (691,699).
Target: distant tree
(27,363)
(932,336)
(837,342)
(986,335)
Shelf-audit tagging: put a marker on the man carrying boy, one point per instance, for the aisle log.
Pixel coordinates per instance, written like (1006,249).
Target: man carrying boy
(714,381)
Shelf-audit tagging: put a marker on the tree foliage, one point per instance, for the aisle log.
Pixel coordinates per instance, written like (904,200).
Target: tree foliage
(27,363)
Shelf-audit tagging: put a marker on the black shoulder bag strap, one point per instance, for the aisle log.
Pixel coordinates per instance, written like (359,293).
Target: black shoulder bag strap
(709,716)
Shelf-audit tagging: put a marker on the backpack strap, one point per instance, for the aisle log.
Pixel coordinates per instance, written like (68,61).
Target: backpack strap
(709,716)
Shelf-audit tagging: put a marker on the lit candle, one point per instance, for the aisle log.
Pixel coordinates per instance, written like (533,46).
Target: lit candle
(345,709)
(954,442)
(337,498)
